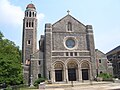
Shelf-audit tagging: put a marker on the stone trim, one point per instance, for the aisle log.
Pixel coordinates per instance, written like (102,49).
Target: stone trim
(73,56)
(70,51)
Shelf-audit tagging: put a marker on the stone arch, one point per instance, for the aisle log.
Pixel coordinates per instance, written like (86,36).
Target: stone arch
(58,65)
(72,66)
(71,59)
(85,65)
(58,61)
(59,71)
(85,69)
(82,62)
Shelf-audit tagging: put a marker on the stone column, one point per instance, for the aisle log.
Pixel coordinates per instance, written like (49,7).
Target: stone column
(77,74)
(80,73)
(53,75)
(90,73)
(66,74)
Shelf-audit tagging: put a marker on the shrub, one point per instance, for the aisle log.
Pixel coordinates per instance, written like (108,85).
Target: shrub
(105,76)
(39,80)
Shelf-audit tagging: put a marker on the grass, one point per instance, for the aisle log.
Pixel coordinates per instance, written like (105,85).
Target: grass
(28,88)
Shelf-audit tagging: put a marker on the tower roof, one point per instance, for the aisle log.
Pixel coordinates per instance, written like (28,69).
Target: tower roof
(32,6)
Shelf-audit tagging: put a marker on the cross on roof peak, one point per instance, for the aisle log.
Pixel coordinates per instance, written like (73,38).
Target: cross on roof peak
(68,11)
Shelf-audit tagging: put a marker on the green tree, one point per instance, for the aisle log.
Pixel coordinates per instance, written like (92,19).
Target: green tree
(1,36)
(10,62)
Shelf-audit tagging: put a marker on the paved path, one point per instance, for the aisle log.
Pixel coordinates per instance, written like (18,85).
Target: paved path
(85,86)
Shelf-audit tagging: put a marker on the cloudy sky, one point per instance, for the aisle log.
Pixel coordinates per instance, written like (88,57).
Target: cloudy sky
(104,15)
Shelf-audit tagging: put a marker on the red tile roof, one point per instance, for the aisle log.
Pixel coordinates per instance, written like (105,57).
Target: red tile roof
(30,6)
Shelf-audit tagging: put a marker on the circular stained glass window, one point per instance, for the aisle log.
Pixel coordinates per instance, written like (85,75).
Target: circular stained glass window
(70,43)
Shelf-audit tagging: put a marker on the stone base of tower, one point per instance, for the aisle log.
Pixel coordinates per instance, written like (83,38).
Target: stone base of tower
(26,74)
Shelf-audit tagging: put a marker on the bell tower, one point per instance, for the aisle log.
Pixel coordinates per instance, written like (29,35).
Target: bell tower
(29,38)
(29,32)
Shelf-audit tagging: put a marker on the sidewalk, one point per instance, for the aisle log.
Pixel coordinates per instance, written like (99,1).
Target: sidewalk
(84,86)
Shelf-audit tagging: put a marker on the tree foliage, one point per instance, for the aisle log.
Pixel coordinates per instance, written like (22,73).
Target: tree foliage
(10,62)
(1,36)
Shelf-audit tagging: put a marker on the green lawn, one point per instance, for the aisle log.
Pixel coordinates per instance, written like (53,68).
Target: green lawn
(27,88)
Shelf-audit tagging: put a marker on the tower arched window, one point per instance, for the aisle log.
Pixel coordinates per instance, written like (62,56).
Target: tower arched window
(29,14)
(33,14)
(32,24)
(27,24)
(69,26)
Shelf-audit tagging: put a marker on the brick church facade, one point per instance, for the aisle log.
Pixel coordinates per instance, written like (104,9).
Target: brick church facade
(66,50)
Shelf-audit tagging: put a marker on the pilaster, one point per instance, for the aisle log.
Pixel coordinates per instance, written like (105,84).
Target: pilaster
(91,48)
(48,49)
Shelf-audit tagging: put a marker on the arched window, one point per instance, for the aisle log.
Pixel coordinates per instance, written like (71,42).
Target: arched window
(69,26)
(33,14)
(27,24)
(32,24)
(30,14)
(27,14)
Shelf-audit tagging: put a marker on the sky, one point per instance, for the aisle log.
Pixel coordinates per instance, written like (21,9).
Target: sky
(103,15)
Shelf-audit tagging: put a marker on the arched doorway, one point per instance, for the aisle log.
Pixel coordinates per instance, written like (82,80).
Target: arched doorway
(72,70)
(85,71)
(58,71)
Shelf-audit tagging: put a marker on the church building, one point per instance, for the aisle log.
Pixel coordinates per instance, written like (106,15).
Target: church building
(66,50)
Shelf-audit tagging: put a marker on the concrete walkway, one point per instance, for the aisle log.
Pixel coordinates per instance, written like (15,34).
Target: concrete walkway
(84,86)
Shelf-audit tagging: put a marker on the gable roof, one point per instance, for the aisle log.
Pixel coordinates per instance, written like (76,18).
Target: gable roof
(68,15)
(97,50)
(113,50)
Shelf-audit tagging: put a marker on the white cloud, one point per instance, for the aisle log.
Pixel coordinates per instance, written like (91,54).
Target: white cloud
(40,24)
(11,21)
(10,14)
(40,17)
